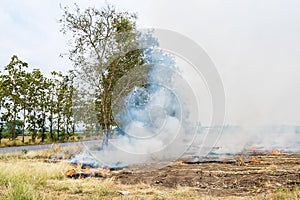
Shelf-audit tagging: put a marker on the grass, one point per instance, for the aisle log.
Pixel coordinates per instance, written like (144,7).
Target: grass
(27,176)
(58,153)
(22,179)
(5,142)
(79,136)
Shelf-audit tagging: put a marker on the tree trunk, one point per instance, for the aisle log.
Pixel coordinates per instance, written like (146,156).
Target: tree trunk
(23,130)
(73,129)
(51,125)
(67,129)
(1,128)
(105,120)
(58,124)
(105,138)
(43,126)
(14,135)
(33,136)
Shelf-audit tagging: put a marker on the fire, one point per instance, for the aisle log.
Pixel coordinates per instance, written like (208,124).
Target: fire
(253,149)
(276,152)
(71,173)
(254,160)
(78,171)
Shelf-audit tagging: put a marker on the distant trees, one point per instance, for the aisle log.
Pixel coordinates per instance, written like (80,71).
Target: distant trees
(30,101)
(105,47)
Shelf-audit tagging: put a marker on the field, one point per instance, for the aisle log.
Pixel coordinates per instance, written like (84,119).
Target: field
(261,176)
(79,136)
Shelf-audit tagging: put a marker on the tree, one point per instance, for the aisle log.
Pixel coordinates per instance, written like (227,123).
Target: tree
(62,102)
(24,97)
(43,104)
(2,100)
(2,95)
(51,102)
(35,97)
(13,84)
(104,49)
(56,103)
(13,127)
(29,99)
(68,118)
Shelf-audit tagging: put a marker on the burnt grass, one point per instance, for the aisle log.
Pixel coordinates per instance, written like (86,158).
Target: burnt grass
(242,177)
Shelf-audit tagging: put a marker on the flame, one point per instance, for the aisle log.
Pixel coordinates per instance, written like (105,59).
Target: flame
(253,149)
(71,172)
(79,171)
(276,152)
(180,162)
(87,170)
(240,160)
(254,160)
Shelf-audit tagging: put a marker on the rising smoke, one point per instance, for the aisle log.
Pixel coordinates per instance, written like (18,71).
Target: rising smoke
(163,120)
(156,117)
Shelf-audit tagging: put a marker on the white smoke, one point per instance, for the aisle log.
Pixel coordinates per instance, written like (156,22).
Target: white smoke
(162,121)
(153,119)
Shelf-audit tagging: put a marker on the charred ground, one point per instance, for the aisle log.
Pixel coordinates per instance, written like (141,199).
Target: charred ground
(243,177)
(37,175)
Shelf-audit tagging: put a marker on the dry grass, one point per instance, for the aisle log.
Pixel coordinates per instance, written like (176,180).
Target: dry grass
(29,177)
(6,142)
(58,153)
(22,179)
(55,152)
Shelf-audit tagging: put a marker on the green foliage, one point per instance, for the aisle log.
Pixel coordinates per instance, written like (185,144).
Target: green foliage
(12,84)
(11,126)
(24,151)
(30,101)
(105,47)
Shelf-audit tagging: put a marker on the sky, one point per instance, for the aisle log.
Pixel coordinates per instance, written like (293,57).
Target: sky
(254,44)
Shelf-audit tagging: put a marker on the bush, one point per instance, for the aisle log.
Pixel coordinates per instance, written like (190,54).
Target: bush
(24,151)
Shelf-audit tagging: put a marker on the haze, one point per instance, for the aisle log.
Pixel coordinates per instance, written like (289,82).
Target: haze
(253,43)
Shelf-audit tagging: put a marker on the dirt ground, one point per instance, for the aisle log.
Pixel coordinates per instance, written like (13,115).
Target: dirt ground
(241,176)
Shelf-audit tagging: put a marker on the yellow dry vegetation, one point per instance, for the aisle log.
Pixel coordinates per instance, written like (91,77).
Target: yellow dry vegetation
(26,177)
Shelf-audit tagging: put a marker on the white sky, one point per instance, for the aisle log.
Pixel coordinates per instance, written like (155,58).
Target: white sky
(254,44)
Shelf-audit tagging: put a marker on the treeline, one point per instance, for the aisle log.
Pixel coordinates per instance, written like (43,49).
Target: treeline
(34,104)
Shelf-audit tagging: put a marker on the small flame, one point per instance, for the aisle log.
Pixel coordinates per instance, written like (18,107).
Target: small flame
(254,160)
(253,149)
(71,172)
(78,171)
(276,152)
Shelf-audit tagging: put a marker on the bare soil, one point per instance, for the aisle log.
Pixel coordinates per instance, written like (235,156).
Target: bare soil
(243,176)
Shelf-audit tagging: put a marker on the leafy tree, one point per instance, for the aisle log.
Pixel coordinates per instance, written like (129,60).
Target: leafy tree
(2,98)
(101,53)
(12,87)
(34,101)
(61,103)
(2,94)
(43,107)
(11,126)
(51,102)
(68,119)
(24,92)
(60,93)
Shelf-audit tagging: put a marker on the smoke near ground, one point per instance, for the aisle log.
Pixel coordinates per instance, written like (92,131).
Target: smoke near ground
(173,115)
(157,123)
